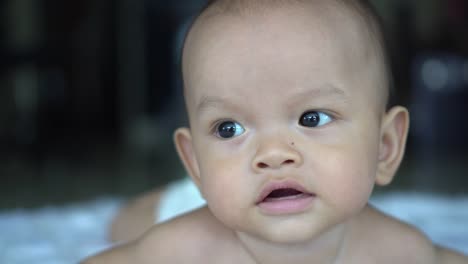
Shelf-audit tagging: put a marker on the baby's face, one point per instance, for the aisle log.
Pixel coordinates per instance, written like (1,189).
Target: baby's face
(285,121)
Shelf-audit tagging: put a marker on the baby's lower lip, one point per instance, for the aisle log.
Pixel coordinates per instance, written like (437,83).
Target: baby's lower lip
(286,205)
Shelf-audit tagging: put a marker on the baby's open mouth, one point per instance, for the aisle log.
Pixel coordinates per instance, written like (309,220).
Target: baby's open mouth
(284,197)
(284,194)
(283,191)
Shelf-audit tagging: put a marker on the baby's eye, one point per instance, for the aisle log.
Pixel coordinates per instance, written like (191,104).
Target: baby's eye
(314,119)
(229,129)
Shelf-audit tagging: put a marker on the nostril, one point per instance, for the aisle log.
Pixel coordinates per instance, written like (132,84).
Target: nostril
(263,165)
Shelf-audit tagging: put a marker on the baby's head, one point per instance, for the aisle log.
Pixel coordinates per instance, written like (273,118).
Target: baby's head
(351,25)
(287,104)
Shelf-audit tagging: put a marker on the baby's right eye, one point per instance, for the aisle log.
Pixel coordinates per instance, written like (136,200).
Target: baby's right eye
(229,129)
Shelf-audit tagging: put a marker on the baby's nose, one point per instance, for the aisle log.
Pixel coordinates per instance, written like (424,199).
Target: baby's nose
(276,156)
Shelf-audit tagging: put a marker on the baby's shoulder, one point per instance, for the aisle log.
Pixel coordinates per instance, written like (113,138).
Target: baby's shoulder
(395,240)
(196,237)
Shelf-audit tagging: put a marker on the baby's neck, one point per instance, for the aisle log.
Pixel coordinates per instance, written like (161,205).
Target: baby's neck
(327,248)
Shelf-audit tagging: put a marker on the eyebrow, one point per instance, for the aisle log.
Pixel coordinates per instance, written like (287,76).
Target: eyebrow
(212,102)
(323,91)
(327,90)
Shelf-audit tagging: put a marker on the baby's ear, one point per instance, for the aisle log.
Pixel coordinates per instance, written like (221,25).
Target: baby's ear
(184,147)
(394,131)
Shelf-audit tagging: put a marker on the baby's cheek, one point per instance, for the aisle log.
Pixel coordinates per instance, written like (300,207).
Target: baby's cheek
(225,208)
(221,186)
(349,183)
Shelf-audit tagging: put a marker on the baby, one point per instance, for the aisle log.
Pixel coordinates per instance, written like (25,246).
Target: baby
(290,129)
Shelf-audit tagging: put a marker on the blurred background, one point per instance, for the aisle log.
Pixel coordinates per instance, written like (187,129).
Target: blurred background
(90,92)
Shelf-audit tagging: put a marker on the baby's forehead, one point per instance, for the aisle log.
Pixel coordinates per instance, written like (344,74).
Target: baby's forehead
(354,14)
(218,25)
(332,18)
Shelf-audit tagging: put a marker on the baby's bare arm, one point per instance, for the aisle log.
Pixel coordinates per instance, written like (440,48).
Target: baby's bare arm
(446,256)
(404,241)
(175,241)
(153,246)
(135,217)
(123,254)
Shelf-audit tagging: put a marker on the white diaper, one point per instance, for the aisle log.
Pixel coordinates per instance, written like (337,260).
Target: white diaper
(179,197)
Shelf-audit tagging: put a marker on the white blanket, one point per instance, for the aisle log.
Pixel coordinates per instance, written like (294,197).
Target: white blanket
(55,235)
(66,234)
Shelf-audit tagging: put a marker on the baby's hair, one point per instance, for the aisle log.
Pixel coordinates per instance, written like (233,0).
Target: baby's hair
(362,8)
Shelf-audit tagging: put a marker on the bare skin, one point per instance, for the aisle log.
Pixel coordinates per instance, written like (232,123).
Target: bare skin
(135,217)
(203,239)
(263,74)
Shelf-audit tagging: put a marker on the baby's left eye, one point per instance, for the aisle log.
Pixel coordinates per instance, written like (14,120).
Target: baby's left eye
(314,119)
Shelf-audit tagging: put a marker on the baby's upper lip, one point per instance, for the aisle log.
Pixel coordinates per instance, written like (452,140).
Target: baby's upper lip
(283,184)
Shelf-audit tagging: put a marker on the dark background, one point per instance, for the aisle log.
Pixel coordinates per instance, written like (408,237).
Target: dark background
(90,93)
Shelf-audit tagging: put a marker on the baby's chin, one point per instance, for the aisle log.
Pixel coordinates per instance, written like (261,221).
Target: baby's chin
(295,232)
